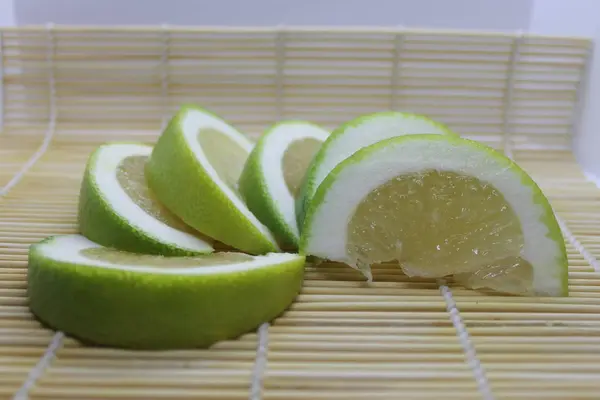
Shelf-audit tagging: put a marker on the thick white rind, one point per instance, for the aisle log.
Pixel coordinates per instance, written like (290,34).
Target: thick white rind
(195,120)
(67,249)
(367,132)
(104,176)
(275,145)
(328,228)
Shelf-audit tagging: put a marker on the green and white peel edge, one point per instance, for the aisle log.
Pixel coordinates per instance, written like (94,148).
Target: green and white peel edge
(68,248)
(193,121)
(326,225)
(361,132)
(278,140)
(104,175)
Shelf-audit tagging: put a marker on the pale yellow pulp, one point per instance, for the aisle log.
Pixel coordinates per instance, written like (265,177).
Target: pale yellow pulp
(147,260)
(130,175)
(295,162)
(224,154)
(438,224)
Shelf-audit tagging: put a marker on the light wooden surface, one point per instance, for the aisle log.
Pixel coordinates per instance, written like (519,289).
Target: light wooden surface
(342,339)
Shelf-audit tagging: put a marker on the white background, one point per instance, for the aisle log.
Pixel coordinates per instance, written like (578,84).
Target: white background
(471,14)
(560,17)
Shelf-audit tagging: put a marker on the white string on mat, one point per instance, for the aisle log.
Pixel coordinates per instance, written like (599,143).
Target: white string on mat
(57,339)
(164,75)
(581,93)
(37,371)
(465,341)
(260,362)
(398,47)
(280,52)
(2,97)
(508,95)
(52,117)
(578,246)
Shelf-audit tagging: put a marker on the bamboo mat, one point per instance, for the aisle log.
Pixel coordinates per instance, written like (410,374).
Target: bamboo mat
(341,339)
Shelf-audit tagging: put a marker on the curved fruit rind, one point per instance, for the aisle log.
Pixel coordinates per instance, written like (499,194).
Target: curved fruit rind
(108,216)
(156,307)
(325,229)
(353,136)
(187,184)
(262,183)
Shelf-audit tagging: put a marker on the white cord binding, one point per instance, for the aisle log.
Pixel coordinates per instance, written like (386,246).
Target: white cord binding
(164,75)
(2,89)
(52,117)
(395,78)
(260,362)
(280,51)
(57,339)
(508,95)
(37,371)
(577,244)
(465,341)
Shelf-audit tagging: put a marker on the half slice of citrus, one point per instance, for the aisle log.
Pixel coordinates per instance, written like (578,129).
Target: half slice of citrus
(194,170)
(353,136)
(273,173)
(117,209)
(439,206)
(114,298)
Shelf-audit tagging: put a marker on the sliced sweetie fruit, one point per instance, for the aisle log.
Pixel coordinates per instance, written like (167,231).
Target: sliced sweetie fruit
(271,178)
(439,206)
(113,298)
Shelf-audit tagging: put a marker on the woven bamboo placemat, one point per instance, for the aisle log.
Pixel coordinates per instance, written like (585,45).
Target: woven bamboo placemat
(68,89)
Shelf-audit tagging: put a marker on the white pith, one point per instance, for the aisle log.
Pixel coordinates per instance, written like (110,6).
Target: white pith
(195,120)
(104,176)
(369,131)
(275,145)
(328,228)
(67,249)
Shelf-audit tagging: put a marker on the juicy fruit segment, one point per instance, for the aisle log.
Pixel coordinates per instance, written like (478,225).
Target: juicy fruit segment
(147,260)
(130,174)
(271,180)
(439,206)
(113,298)
(436,224)
(296,160)
(354,135)
(510,275)
(117,209)
(225,155)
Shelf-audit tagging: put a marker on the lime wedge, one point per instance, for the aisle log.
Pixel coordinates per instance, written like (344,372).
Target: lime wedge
(116,208)
(439,206)
(194,169)
(114,298)
(273,173)
(354,135)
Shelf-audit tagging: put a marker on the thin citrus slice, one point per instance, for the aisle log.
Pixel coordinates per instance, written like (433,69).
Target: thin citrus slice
(273,173)
(354,135)
(114,298)
(194,169)
(439,206)
(117,209)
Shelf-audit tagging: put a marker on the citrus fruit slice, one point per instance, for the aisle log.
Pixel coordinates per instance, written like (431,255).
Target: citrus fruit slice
(194,170)
(117,209)
(439,206)
(114,298)
(273,173)
(354,135)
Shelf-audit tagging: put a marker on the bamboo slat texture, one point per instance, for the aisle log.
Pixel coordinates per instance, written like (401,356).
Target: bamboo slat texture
(68,89)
